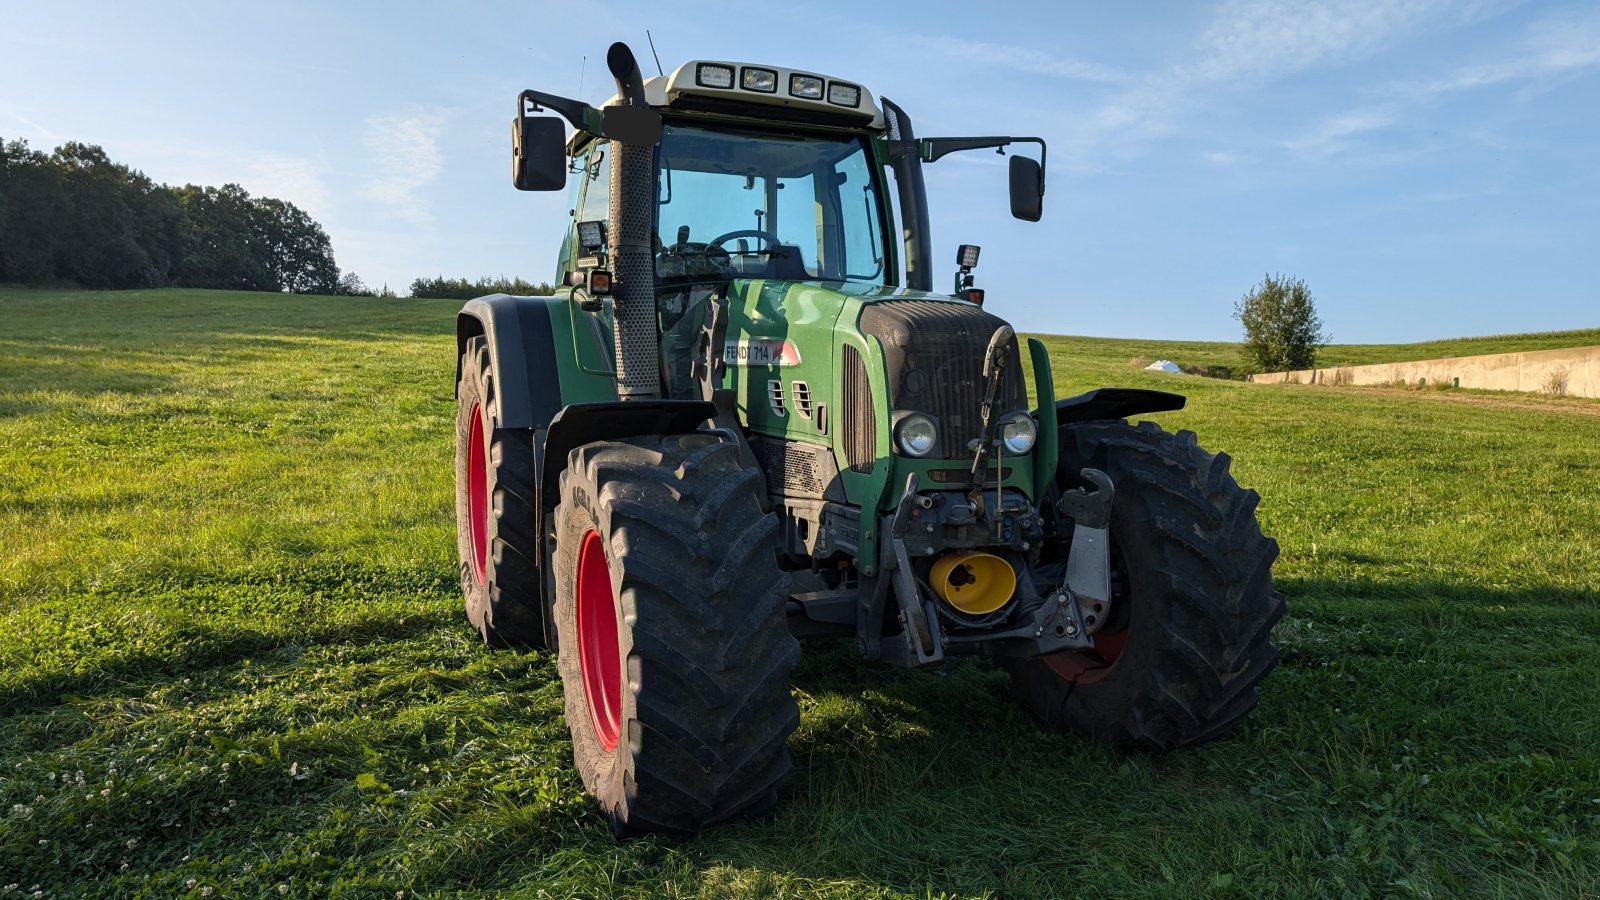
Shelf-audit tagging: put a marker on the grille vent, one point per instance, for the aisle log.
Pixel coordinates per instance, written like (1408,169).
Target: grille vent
(801,392)
(775,398)
(860,427)
(794,469)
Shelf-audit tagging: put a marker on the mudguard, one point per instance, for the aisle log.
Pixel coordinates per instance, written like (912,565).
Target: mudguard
(522,353)
(1115,403)
(585,423)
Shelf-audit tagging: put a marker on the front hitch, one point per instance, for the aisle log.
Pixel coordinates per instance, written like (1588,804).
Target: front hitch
(1089,559)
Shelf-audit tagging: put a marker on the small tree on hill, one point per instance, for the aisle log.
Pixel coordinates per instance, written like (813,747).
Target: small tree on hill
(1281,328)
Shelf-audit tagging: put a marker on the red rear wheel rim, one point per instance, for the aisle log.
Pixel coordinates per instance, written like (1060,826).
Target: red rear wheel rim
(1089,666)
(599,656)
(478,495)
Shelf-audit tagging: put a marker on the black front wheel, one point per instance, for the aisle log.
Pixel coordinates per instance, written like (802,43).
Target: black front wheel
(1187,638)
(673,644)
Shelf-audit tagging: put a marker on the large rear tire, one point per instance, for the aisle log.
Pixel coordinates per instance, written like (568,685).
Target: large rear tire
(495,536)
(674,647)
(1187,638)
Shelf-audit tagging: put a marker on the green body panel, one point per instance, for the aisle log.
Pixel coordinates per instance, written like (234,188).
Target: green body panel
(582,347)
(1048,450)
(817,320)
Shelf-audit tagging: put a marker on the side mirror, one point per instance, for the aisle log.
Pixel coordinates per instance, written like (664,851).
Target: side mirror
(539,154)
(1027,189)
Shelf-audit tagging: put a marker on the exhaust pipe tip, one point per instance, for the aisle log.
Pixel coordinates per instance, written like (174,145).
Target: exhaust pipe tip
(625,69)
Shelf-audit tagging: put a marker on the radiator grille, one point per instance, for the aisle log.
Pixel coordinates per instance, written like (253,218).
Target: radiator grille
(859,427)
(934,353)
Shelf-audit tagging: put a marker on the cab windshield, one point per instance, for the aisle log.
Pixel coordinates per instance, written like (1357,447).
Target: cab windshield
(759,205)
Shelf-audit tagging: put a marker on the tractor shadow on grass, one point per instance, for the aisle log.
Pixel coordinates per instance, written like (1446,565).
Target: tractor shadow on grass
(933,781)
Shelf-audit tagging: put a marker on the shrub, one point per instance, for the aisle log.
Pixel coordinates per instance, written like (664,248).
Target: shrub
(1281,327)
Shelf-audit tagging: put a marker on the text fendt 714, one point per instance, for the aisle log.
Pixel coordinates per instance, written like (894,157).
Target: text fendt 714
(734,426)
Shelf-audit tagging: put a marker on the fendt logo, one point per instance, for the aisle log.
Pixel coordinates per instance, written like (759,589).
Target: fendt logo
(760,353)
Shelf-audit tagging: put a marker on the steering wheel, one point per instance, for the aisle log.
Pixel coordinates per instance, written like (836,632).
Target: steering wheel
(771,239)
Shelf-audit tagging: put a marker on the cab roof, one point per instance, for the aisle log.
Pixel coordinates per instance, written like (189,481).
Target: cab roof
(723,81)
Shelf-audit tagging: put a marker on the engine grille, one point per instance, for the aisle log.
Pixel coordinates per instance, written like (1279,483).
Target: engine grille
(859,428)
(935,353)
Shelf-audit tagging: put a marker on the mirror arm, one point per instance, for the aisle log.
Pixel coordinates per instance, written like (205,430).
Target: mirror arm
(935,148)
(582,116)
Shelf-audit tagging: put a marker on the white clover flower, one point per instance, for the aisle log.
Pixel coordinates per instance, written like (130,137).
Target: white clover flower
(283,888)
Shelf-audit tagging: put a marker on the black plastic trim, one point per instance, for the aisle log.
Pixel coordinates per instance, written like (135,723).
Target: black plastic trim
(842,117)
(906,156)
(521,352)
(1115,403)
(585,423)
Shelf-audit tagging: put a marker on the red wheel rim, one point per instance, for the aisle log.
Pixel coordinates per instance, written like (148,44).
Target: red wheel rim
(599,657)
(478,495)
(1089,666)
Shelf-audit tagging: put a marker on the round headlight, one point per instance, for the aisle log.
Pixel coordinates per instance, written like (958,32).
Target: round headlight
(1018,433)
(916,434)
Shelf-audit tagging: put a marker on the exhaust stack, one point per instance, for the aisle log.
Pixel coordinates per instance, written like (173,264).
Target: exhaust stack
(632,209)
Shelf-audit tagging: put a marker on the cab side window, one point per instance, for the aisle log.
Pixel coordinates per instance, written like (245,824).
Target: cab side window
(590,199)
(596,179)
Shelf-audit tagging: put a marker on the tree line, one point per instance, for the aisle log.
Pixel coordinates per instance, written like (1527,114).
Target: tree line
(76,216)
(443,288)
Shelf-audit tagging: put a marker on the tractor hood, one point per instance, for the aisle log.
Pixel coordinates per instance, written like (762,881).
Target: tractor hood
(839,363)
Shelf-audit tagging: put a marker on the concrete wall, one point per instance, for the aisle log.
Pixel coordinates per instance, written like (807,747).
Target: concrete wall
(1577,368)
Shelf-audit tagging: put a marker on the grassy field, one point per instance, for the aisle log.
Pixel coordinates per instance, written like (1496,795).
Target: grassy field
(232,660)
(1194,354)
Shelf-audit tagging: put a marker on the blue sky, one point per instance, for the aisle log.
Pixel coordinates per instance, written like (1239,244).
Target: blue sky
(1431,168)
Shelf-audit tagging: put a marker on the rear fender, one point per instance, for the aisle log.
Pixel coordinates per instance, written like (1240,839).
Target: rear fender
(522,354)
(1115,403)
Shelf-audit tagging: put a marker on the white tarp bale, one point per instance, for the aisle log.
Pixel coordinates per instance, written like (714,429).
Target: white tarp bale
(1163,365)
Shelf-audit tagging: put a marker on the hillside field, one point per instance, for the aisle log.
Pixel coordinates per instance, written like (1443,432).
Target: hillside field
(233,660)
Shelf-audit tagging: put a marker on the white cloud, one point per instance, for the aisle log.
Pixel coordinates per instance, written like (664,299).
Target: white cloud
(299,179)
(1020,59)
(404,158)
(1333,132)
(1271,37)
(296,179)
(1550,48)
(1254,40)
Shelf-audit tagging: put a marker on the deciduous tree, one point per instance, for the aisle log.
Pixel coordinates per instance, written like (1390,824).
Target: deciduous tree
(1281,327)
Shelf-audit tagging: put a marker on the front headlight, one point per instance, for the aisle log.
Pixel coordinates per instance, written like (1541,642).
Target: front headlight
(916,435)
(1018,431)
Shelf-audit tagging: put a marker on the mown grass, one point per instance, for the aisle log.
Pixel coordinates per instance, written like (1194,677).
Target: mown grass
(1225,358)
(232,659)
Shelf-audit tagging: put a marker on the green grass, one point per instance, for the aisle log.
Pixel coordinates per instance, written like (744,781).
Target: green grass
(232,656)
(1214,354)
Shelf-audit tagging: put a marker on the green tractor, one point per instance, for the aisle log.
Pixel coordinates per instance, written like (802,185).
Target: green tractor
(747,418)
